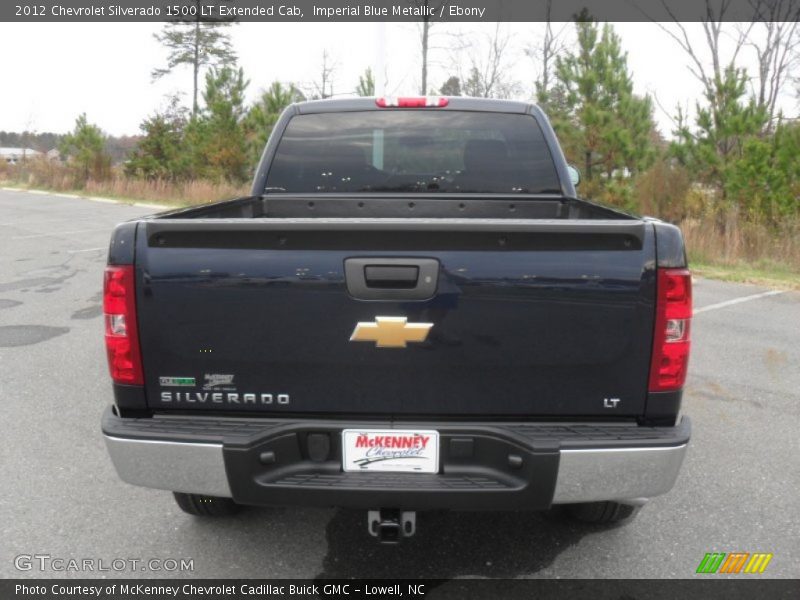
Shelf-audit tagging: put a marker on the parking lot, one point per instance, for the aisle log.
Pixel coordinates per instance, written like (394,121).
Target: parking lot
(737,492)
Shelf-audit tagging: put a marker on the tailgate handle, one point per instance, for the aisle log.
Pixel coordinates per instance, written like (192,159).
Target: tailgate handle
(388,276)
(391,278)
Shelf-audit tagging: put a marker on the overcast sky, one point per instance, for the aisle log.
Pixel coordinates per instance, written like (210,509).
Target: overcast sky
(52,72)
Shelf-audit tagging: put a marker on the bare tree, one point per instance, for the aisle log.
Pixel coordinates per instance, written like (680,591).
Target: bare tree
(425,32)
(488,65)
(544,55)
(773,35)
(776,49)
(323,87)
(713,27)
(27,134)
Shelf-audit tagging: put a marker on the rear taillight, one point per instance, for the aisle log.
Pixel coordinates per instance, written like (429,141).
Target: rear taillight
(122,337)
(671,337)
(412,102)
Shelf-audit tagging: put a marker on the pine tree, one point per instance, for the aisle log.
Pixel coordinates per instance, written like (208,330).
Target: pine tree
(722,127)
(216,138)
(85,149)
(764,182)
(603,125)
(264,114)
(366,84)
(198,44)
(750,169)
(451,87)
(161,154)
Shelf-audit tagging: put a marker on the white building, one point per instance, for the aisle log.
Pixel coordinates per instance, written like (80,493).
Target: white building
(14,155)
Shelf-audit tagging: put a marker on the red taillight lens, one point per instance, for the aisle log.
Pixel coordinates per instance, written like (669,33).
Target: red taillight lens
(122,336)
(412,102)
(671,336)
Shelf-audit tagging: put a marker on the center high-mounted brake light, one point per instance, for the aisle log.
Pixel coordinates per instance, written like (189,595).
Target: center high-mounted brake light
(122,337)
(671,341)
(412,102)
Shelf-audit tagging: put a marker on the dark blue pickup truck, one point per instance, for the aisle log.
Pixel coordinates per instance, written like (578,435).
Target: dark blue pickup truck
(412,311)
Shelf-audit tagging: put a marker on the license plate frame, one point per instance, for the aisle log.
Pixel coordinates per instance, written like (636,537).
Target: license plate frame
(390,450)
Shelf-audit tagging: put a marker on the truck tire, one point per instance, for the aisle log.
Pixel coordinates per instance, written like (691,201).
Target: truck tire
(205,506)
(601,512)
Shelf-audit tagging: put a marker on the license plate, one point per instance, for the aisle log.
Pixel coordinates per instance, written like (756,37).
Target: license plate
(403,451)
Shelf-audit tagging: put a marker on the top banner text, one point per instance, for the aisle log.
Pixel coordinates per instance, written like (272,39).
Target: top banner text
(393,10)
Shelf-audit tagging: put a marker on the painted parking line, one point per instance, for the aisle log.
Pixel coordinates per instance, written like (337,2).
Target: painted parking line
(58,233)
(86,250)
(727,303)
(90,198)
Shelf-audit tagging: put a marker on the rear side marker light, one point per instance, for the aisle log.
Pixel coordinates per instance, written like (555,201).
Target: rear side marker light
(122,336)
(671,341)
(412,102)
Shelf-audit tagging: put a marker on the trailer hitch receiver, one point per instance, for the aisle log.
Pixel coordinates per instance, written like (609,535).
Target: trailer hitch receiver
(390,525)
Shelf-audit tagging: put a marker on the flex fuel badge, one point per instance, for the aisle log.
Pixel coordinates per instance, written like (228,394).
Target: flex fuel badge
(177,381)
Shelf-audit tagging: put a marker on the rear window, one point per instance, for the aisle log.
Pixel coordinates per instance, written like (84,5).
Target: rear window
(413,151)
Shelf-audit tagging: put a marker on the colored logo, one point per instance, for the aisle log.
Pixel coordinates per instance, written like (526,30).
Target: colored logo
(390,332)
(734,562)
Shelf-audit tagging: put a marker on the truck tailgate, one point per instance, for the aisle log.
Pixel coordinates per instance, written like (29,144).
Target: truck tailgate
(529,317)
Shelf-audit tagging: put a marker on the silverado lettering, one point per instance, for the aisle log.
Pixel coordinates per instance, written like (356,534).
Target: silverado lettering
(459,329)
(220,397)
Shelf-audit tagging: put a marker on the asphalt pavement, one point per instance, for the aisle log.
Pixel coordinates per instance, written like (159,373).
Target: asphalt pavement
(737,491)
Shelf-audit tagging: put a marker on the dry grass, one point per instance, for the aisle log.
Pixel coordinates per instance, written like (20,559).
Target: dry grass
(745,245)
(167,192)
(54,176)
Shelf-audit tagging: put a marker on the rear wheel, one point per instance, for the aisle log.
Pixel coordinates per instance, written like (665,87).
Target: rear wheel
(205,506)
(601,512)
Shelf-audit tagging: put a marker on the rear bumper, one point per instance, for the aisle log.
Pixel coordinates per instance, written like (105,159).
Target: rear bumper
(484,466)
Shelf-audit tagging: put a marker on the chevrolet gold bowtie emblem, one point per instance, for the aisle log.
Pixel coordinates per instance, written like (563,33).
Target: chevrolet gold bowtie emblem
(390,332)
